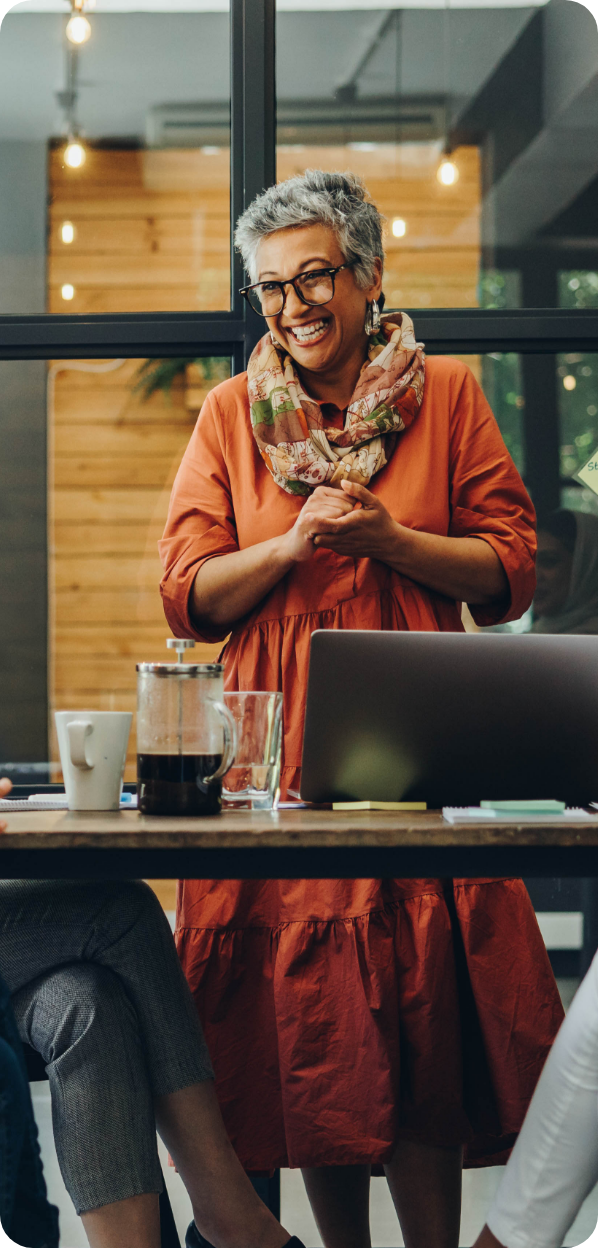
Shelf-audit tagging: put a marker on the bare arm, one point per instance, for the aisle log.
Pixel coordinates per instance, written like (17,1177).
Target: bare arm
(464,568)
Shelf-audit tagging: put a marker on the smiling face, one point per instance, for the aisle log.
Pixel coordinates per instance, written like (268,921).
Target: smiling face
(330,337)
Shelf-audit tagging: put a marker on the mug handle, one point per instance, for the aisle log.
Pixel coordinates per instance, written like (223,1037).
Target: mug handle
(78,730)
(229,729)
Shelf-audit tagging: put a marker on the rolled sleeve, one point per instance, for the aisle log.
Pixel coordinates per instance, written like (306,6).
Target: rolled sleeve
(200,523)
(489,500)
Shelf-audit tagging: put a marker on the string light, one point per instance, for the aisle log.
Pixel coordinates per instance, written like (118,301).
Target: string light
(447,173)
(569,382)
(399,227)
(67,232)
(78,28)
(74,154)
(68,292)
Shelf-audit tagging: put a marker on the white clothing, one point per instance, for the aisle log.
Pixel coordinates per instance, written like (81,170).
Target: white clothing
(554,1164)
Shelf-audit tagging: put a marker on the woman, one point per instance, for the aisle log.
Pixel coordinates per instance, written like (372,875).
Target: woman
(97,989)
(345,483)
(566,598)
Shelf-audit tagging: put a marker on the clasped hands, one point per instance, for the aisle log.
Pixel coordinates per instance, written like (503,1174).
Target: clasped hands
(351,521)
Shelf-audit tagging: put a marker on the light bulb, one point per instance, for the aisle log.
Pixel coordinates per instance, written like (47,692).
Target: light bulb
(569,382)
(447,173)
(78,29)
(399,227)
(68,292)
(74,154)
(67,232)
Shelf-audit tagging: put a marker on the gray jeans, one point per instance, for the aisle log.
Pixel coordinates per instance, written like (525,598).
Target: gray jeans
(98,990)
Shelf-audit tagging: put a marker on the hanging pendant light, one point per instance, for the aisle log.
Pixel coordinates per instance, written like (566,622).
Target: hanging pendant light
(78,28)
(447,172)
(75,154)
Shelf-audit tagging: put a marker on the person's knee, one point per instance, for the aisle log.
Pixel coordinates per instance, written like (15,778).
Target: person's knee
(83,1004)
(129,903)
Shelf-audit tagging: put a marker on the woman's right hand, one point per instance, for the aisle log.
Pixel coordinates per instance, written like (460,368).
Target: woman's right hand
(321,509)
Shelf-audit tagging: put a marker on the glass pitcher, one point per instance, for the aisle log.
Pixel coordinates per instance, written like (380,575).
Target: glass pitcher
(186,736)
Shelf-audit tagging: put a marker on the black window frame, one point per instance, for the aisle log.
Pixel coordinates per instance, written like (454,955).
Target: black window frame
(530,332)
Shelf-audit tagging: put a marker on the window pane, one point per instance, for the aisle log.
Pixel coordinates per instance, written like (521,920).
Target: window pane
(506,93)
(117,430)
(139,219)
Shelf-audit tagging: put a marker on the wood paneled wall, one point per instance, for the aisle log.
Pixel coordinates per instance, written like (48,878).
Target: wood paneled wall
(436,264)
(113,462)
(152,233)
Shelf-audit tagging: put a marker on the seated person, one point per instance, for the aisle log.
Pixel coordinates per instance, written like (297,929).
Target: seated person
(97,989)
(554,1164)
(566,599)
(25,1212)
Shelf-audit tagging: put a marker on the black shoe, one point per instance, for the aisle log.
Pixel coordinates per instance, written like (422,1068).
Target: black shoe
(194,1239)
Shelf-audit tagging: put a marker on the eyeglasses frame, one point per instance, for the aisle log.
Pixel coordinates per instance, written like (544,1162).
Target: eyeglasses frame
(290,281)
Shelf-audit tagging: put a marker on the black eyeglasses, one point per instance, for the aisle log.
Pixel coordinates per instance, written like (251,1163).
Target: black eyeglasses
(314,287)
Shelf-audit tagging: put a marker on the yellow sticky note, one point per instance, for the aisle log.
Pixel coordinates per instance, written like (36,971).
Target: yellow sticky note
(589,473)
(379,805)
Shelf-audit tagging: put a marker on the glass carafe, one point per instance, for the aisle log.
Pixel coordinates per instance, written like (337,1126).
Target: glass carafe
(186,737)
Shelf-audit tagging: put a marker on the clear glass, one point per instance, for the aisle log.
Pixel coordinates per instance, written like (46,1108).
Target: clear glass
(114,159)
(474,128)
(253,780)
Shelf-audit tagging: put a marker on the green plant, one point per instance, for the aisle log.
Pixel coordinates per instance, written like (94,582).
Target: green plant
(154,375)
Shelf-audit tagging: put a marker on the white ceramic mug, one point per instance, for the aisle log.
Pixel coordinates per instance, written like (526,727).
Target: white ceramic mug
(93,751)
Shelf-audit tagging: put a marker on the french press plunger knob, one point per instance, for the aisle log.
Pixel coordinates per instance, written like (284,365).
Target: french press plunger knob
(180,644)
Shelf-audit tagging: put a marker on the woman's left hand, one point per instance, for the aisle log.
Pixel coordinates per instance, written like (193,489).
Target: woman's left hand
(367,532)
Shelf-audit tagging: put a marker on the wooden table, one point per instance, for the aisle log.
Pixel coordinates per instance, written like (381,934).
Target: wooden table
(288,844)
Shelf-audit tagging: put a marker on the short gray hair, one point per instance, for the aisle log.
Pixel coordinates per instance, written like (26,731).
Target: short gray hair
(316,198)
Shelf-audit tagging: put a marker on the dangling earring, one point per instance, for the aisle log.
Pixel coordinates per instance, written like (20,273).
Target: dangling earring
(274,341)
(372,318)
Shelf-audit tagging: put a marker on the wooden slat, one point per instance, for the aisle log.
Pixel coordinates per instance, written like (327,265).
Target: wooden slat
(119,606)
(106,539)
(109,673)
(129,441)
(194,234)
(99,472)
(109,506)
(138,642)
(118,407)
(211,294)
(107,571)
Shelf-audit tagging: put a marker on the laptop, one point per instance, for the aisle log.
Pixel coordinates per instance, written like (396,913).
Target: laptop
(451,719)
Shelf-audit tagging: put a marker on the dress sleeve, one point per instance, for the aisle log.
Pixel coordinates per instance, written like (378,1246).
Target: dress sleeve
(488,498)
(201,521)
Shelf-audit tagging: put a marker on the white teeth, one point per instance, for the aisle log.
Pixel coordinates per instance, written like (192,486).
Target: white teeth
(304,332)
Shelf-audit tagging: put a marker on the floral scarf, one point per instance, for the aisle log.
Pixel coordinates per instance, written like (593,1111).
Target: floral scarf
(293,439)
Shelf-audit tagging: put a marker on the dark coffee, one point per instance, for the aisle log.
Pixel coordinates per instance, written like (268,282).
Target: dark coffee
(174,784)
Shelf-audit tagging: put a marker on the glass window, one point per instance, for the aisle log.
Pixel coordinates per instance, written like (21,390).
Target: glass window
(116,432)
(474,128)
(114,159)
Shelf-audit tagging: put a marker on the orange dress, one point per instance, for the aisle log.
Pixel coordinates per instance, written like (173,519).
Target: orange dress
(342,1014)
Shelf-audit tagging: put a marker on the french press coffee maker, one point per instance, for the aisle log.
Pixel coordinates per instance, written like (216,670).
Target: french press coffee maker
(186,736)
